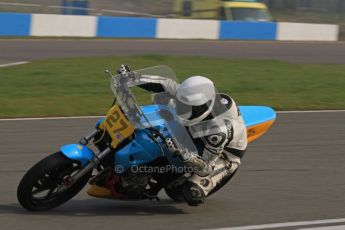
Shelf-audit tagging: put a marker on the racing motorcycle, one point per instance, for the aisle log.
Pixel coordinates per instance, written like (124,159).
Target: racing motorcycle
(125,149)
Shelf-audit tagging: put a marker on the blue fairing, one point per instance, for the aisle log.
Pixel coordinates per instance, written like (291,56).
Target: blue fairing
(140,151)
(254,115)
(80,153)
(143,149)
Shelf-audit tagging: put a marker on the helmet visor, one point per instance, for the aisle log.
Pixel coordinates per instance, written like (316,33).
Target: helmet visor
(188,112)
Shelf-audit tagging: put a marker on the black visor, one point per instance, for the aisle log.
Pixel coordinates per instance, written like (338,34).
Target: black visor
(189,112)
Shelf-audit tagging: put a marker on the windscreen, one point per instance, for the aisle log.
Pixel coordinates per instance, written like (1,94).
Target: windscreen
(160,112)
(122,86)
(166,107)
(125,98)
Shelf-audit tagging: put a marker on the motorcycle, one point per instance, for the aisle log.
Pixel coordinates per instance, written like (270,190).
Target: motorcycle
(127,150)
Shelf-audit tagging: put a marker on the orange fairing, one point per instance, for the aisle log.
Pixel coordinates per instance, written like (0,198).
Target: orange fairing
(256,131)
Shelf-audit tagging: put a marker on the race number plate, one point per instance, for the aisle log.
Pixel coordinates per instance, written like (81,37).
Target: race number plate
(117,126)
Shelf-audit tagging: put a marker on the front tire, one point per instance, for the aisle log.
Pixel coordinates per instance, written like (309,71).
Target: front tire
(39,188)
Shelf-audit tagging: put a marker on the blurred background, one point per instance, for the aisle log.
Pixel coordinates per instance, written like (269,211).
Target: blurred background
(311,11)
(308,10)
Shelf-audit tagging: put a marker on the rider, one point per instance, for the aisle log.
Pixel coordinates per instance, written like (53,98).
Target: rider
(215,124)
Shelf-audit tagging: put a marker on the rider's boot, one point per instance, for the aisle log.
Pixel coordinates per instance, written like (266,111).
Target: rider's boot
(199,186)
(193,194)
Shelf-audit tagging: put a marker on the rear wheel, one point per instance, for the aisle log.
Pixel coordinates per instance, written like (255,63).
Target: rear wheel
(39,190)
(175,193)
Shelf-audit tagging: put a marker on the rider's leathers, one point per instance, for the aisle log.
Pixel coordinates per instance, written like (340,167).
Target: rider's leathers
(221,138)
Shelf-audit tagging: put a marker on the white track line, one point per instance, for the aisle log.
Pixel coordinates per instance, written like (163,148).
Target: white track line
(87,117)
(339,227)
(14,63)
(284,225)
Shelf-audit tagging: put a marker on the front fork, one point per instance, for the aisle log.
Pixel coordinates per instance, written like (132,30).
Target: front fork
(92,163)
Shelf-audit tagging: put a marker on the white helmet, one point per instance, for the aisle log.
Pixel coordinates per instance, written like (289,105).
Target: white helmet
(195,99)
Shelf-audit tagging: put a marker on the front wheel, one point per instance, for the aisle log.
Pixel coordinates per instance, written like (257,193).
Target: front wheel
(39,188)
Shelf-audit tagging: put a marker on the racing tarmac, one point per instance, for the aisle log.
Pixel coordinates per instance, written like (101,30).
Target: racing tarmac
(18,50)
(294,173)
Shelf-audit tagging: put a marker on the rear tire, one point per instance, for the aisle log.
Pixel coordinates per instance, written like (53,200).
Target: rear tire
(175,193)
(46,176)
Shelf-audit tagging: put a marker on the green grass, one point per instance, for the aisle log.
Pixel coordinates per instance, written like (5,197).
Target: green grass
(79,86)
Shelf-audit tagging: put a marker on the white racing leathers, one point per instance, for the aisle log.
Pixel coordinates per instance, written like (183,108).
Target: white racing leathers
(220,139)
(224,141)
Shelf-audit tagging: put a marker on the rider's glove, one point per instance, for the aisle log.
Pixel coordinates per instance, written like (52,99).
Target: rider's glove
(131,78)
(123,70)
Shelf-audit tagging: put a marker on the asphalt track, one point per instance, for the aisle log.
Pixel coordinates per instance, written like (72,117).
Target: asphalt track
(17,50)
(294,173)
